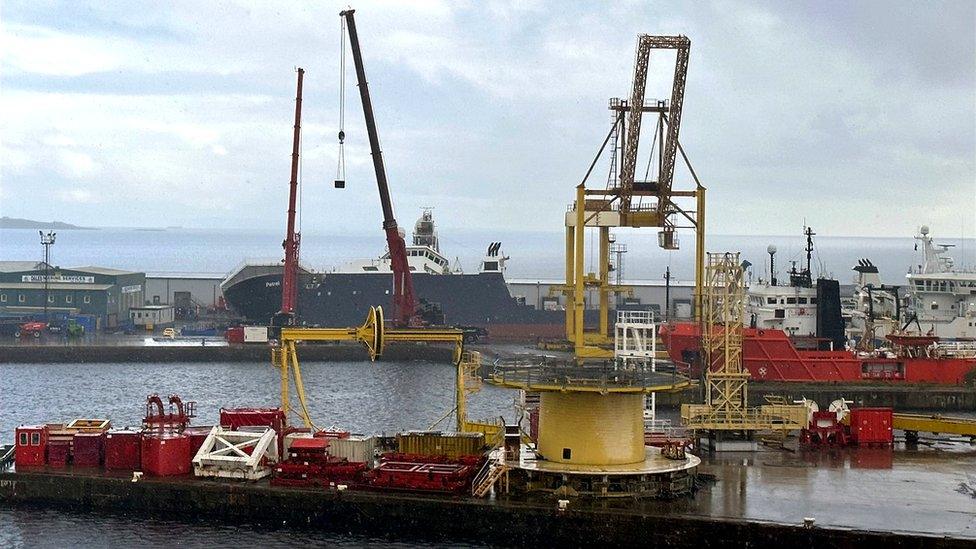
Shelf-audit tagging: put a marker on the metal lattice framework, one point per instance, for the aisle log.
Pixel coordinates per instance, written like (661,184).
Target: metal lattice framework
(645,44)
(236,454)
(726,382)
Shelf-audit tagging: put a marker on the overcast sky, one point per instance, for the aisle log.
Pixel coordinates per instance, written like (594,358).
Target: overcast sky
(858,117)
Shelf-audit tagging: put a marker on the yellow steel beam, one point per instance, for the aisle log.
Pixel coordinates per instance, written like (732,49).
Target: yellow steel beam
(529,385)
(604,281)
(578,299)
(570,281)
(699,252)
(372,334)
(934,424)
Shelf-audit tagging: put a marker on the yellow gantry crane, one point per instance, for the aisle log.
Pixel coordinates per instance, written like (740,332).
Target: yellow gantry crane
(629,202)
(374,336)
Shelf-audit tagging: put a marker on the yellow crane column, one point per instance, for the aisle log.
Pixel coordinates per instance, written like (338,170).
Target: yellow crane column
(579,300)
(604,283)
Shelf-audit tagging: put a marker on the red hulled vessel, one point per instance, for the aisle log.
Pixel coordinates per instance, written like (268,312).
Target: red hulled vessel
(770,355)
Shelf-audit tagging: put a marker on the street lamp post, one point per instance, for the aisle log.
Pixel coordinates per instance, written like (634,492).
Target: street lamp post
(47,240)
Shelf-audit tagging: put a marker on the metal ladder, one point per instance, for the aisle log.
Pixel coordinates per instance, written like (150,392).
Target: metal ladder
(487,477)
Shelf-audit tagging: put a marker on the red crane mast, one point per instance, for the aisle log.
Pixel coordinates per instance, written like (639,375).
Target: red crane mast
(289,279)
(403,296)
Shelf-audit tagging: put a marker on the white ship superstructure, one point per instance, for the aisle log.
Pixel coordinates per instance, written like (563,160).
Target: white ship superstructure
(423,255)
(791,308)
(943,297)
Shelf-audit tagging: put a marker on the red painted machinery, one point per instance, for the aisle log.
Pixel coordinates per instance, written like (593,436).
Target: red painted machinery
(165,448)
(32,329)
(422,477)
(123,450)
(309,464)
(160,420)
(824,430)
(31,449)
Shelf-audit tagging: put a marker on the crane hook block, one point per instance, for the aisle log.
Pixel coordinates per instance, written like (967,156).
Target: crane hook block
(340,183)
(342,136)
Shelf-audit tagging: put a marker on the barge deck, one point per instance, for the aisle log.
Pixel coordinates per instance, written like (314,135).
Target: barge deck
(430,517)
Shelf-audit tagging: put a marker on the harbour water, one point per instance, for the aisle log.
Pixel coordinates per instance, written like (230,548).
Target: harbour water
(869,488)
(534,255)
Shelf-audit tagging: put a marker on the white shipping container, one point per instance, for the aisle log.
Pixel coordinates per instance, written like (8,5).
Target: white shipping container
(354,449)
(255,334)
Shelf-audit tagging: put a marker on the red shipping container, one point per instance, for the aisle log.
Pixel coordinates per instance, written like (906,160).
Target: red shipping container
(235,418)
(165,455)
(88,449)
(234,334)
(31,449)
(123,450)
(871,426)
(58,453)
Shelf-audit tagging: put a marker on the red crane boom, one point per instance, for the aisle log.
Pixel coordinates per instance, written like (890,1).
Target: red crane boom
(289,279)
(404,302)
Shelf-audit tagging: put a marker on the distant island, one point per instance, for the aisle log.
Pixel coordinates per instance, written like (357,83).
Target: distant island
(15,223)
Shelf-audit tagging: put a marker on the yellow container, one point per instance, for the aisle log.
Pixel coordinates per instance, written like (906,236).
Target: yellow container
(436,443)
(591,429)
(90,425)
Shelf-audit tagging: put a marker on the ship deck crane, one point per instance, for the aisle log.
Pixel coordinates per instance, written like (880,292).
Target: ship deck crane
(404,301)
(289,278)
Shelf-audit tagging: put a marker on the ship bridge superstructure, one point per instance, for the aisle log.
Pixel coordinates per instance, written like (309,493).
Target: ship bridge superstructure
(942,296)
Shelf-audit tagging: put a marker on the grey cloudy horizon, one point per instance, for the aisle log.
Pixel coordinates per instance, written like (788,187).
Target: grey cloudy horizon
(857,118)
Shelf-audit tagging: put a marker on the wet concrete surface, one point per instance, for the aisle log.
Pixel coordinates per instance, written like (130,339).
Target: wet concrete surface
(896,489)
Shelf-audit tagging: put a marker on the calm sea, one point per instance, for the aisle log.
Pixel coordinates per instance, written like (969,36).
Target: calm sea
(537,255)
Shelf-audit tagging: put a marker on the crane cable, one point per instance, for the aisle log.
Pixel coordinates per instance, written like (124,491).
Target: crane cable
(341,167)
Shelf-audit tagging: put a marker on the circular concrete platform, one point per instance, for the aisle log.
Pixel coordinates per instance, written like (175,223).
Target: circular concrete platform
(654,463)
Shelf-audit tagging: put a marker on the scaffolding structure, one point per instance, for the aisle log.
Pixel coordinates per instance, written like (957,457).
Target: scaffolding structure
(726,406)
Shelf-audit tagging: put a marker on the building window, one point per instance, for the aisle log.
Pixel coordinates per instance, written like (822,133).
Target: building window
(567,453)
(813,301)
(3,298)
(791,300)
(68,298)
(23,439)
(20,298)
(50,299)
(935,306)
(35,439)
(771,301)
(87,298)
(803,301)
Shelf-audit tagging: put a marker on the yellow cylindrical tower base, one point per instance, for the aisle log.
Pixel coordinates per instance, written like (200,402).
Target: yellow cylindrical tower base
(591,429)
